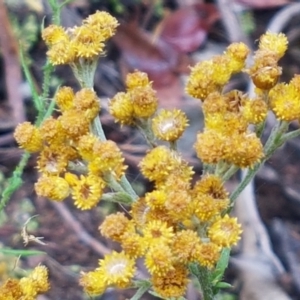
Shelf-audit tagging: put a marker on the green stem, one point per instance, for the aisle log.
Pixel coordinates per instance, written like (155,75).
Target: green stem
(290,135)
(141,291)
(230,172)
(204,278)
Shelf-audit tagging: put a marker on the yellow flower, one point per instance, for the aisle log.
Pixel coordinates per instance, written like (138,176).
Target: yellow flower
(183,245)
(169,125)
(144,101)
(132,244)
(210,146)
(11,290)
(157,232)
(137,79)
(52,132)
(114,226)
(62,53)
(118,269)
(92,283)
(244,150)
(225,231)
(28,137)
(284,101)
(214,103)
(255,111)
(87,42)
(265,72)
(212,185)
(177,203)
(74,124)
(40,278)
(85,146)
(238,53)
(87,191)
(159,163)
(207,254)
(274,42)
(159,259)
(87,102)
(64,98)
(52,187)
(52,163)
(102,23)
(28,288)
(53,34)
(205,207)
(107,158)
(172,284)
(121,108)
(156,199)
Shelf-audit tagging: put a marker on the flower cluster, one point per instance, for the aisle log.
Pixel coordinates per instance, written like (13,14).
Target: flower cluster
(171,227)
(27,287)
(67,140)
(180,222)
(83,42)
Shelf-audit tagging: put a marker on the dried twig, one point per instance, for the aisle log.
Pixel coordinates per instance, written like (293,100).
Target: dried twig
(13,75)
(79,230)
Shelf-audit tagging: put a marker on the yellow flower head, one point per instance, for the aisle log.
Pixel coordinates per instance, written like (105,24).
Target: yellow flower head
(132,244)
(225,231)
(52,132)
(244,150)
(51,162)
(28,137)
(107,158)
(157,232)
(52,187)
(86,191)
(64,98)
(255,111)
(265,72)
(87,42)
(237,52)
(40,278)
(159,259)
(137,79)
(172,284)
(74,124)
(169,125)
(28,287)
(207,254)
(159,163)
(183,245)
(92,283)
(114,226)
(144,101)
(205,207)
(54,34)
(62,53)
(118,269)
(11,290)
(211,185)
(177,203)
(102,23)
(87,102)
(214,103)
(139,212)
(156,199)
(200,83)
(121,108)
(274,42)
(85,146)
(284,101)
(210,146)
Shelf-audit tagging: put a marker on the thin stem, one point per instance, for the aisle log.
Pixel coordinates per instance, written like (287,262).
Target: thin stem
(141,291)
(204,278)
(230,172)
(290,135)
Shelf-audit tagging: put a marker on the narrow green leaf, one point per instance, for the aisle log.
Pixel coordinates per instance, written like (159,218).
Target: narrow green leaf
(18,252)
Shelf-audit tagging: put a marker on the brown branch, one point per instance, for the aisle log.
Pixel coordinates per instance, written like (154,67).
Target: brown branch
(13,75)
